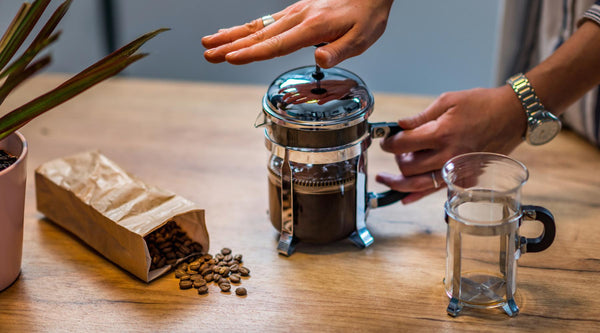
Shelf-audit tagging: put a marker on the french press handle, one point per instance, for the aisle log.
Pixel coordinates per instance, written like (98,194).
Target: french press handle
(543,215)
(383,130)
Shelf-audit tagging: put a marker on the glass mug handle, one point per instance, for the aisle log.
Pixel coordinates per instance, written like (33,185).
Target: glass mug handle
(543,215)
(383,130)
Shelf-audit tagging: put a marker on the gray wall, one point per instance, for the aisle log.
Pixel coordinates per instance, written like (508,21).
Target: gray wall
(430,46)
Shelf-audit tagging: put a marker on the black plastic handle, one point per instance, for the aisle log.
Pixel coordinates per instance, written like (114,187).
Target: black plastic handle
(391,196)
(387,197)
(394,129)
(544,216)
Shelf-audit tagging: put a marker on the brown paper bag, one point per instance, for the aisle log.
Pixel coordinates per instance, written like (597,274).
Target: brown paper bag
(92,197)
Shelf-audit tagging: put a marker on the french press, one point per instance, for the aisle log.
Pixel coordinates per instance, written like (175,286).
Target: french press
(317,133)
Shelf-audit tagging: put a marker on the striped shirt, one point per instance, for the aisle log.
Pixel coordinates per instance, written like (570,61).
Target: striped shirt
(548,23)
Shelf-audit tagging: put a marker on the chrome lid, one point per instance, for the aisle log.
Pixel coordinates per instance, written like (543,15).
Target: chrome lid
(313,98)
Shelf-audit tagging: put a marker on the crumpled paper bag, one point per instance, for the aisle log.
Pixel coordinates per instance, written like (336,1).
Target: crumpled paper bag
(110,210)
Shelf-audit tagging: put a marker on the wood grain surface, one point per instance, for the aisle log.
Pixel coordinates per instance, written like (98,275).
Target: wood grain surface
(198,140)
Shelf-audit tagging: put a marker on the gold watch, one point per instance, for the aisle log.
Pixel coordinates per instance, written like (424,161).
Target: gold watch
(542,125)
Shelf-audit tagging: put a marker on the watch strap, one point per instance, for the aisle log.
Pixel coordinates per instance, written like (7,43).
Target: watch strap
(526,94)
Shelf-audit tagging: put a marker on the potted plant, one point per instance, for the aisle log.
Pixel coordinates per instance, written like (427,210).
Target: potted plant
(13,147)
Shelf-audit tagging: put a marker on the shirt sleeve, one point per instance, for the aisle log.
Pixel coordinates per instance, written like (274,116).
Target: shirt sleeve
(593,14)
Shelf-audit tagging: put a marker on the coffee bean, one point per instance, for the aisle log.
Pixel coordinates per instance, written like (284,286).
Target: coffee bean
(183,266)
(194,266)
(179,273)
(244,271)
(228,257)
(225,251)
(185,277)
(234,278)
(224,271)
(208,277)
(225,287)
(203,290)
(238,258)
(196,277)
(161,262)
(185,284)
(234,268)
(206,271)
(199,283)
(216,277)
(223,280)
(241,291)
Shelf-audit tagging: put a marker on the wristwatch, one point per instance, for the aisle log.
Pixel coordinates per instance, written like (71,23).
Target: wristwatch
(542,125)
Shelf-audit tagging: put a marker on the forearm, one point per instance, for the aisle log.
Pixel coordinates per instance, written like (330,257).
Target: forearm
(571,71)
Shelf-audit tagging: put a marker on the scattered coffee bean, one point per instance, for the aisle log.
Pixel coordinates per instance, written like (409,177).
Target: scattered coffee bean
(225,287)
(196,277)
(185,284)
(179,273)
(203,290)
(234,278)
(198,283)
(198,270)
(194,265)
(244,271)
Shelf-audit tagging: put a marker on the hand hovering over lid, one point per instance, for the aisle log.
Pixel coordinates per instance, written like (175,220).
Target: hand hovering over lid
(349,26)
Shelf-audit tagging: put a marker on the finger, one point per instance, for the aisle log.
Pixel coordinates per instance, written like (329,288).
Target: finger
(419,162)
(439,106)
(421,138)
(342,48)
(241,37)
(224,36)
(288,38)
(418,183)
(228,35)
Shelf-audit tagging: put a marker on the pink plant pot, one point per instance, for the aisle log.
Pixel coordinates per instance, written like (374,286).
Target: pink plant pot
(12,206)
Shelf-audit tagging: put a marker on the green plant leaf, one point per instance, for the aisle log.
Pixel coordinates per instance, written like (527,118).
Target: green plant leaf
(127,50)
(29,55)
(17,78)
(14,39)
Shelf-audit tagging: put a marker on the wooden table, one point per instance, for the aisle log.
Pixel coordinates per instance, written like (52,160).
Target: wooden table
(198,140)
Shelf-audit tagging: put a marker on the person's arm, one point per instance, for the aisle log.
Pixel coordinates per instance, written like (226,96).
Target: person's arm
(349,26)
(491,120)
(570,71)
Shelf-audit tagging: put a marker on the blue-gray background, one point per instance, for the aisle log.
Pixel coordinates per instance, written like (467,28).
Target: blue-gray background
(430,46)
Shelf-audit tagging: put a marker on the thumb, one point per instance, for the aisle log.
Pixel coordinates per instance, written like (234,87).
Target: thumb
(432,112)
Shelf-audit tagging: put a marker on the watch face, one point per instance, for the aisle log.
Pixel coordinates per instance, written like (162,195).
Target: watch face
(545,130)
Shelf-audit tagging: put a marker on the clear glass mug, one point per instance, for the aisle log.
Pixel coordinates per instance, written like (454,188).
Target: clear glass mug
(484,212)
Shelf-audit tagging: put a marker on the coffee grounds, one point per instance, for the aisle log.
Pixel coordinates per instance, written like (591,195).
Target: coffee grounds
(6,159)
